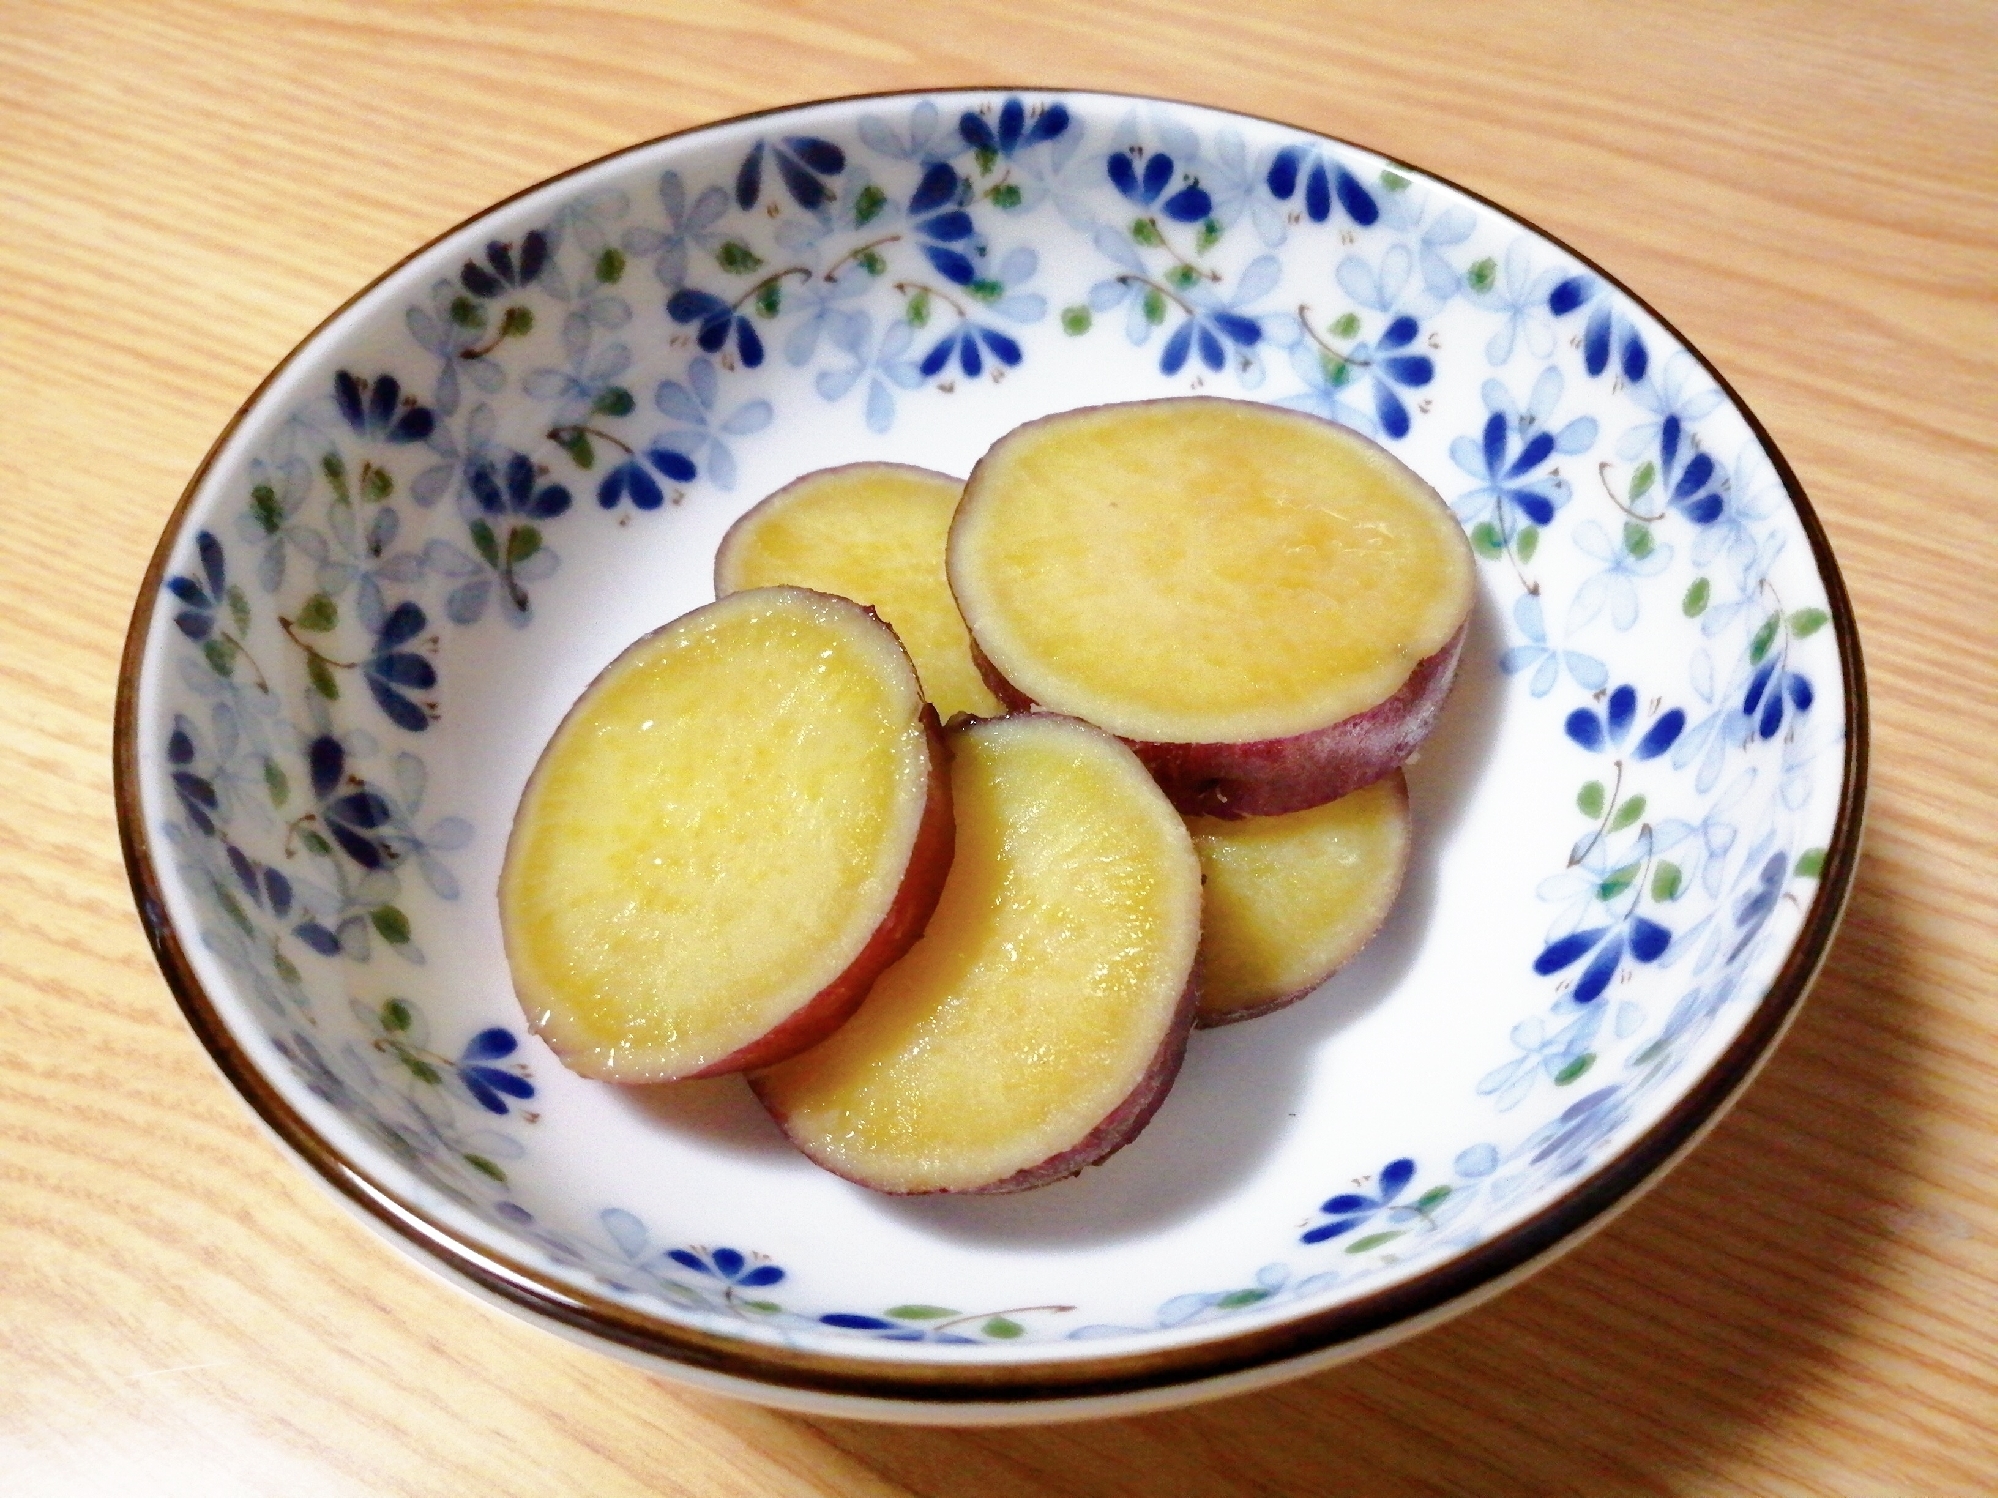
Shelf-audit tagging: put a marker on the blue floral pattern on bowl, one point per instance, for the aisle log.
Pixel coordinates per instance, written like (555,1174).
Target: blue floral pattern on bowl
(621,354)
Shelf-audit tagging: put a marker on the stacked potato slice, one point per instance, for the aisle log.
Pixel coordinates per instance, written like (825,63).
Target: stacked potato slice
(1181,643)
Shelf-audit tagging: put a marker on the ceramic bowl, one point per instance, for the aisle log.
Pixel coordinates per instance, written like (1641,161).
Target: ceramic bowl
(516,452)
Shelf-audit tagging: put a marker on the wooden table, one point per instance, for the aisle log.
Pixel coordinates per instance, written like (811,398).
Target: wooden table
(1807,190)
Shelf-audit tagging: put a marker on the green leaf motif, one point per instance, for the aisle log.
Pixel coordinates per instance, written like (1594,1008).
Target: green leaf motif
(1208,236)
(1574,1069)
(1075,321)
(486,1167)
(1811,863)
(1486,540)
(1667,881)
(986,291)
(1004,1328)
(220,655)
(487,544)
(1527,542)
(1591,799)
(871,262)
(576,443)
(1347,325)
(397,1016)
(1433,1198)
(1627,813)
(265,509)
(467,313)
(867,207)
(737,258)
(1372,1241)
(1642,480)
(1155,306)
(391,923)
(1695,602)
(1764,638)
(767,1307)
(239,609)
(335,469)
(1483,274)
(285,967)
(770,298)
(920,1313)
(1618,881)
(277,785)
(1236,1299)
(321,676)
(420,1069)
(319,615)
(314,843)
(377,484)
(234,911)
(614,400)
(1393,181)
(521,543)
(610,266)
(1183,277)
(1005,195)
(518,323)
(1146,233)
(1637,539)
(1807,622)
(919,310)
(987,158)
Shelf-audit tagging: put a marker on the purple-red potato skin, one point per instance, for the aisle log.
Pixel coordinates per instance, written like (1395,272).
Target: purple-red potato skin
(1119,1127)
(1268,777)
(915,901)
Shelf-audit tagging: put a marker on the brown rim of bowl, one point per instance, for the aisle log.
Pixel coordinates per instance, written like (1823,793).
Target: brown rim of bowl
(942,1382)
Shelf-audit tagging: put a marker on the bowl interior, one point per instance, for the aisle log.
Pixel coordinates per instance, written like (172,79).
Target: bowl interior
(518,451)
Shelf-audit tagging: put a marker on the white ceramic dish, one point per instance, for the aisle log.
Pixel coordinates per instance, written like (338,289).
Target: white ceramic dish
(516,452)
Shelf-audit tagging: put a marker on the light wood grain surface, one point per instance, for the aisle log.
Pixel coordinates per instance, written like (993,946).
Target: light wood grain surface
(1808,1306)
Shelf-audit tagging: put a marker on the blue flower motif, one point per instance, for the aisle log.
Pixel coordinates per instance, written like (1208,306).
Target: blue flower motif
(821,310)
(588,387)
(489,1085)
(1514,456)
(1772,691)
(392,672)
(1234,183)
(1543,659)
(1606,330)
(1404,207)
(201,597)
(377,409)
(687,229)
(948,237)
(1691,479)
(1625,559)
(633,478)
(1597,732)
(928,139)
(1560,1055)
(1567,1139)
(714,319)
(1351,1209)
(1013,131)
(356,815)
(514,489)
(965,342)
(1323,178)
(1144,186)
(1639,937)
(503,269)
(196,793)
(804,162)
(733,1268)
(1389,362)
(888,369)
(1519,297)
(699,437)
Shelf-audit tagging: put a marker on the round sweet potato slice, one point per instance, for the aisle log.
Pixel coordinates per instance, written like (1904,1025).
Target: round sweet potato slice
(743,820)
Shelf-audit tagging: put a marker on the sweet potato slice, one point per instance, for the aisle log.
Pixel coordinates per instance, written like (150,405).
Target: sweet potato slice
(872,532)
(1038,1024)
(740,823)
(1266,606)
(1292,898)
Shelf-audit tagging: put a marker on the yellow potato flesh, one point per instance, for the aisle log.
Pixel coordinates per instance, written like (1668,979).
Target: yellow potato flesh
(1290,898)
(874,533)
(1204,571)
(714,833)
(1043,988)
